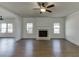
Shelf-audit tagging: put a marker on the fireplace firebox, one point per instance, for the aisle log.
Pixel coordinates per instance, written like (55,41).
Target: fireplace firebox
(43,33)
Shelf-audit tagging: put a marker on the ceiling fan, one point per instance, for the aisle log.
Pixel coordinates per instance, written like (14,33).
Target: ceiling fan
(44,7)
(1,18)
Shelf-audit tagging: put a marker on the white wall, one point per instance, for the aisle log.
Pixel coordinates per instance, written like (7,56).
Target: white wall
(18,28)
(12,18)
(25,34)
(72,28)
(43,23)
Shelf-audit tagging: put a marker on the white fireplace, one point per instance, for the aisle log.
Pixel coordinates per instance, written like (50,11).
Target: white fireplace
(43,33)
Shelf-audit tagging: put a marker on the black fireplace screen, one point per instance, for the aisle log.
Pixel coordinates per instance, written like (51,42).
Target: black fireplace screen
(43,33)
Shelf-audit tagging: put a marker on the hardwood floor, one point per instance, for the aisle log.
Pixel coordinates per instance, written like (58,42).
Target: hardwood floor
(7,47)
(37,48)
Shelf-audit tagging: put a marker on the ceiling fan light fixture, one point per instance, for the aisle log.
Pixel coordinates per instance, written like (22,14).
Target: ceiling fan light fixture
(43,10)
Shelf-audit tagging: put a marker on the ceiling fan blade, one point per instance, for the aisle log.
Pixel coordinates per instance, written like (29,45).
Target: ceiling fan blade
(48,11)
(36,8)
(43,4)
(50,6)
(39,3)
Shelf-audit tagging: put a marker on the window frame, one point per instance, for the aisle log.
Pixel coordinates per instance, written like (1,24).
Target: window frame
(6,29)
(56,28)
(1,28)
(29,29)
(10,28)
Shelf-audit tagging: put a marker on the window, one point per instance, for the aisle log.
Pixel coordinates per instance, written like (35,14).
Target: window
(29,27)
(56,28)
(3,27)
(6,28)
(10,28)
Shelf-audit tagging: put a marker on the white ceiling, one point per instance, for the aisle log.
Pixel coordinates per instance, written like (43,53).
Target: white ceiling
(25,9)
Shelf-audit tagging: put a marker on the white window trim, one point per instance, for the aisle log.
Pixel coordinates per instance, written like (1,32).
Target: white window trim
(29,29)
(56,28)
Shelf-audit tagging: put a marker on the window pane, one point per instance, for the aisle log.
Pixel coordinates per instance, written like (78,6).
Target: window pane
(29,30)
(56,25)
(3,27)
(3,30)
(29,27)
(10,28)
(56,31)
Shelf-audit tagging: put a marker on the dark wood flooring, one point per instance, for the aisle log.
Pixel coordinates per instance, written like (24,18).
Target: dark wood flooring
(37,48)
